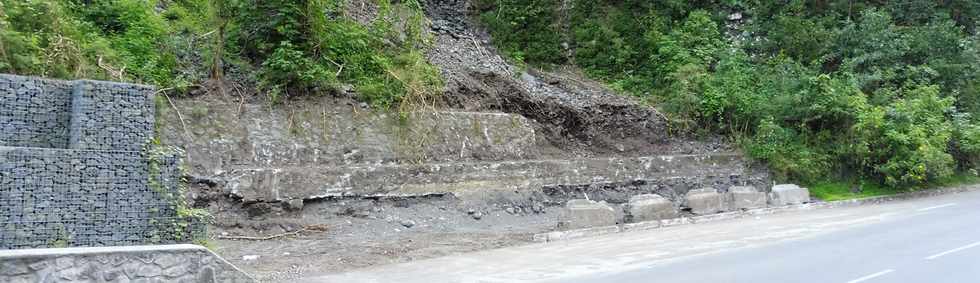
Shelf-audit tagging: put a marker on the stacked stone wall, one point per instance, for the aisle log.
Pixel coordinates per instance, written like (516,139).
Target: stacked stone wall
(74,171)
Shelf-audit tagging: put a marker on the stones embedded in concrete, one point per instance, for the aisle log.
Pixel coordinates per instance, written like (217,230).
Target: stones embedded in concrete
(581,213)
(788,194)
(746,197)
(168,263)
(648,207)
(705,201)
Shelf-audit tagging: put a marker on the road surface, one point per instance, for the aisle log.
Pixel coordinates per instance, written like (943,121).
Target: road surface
(933,239)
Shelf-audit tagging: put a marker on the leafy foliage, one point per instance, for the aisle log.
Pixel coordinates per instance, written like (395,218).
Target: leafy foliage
(293,47)
(524,30)
(884,91)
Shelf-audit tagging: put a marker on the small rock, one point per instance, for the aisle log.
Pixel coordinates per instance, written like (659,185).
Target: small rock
(477,215)
(471,211)
(510,210)
(407,223)
(250,257)
(295,204)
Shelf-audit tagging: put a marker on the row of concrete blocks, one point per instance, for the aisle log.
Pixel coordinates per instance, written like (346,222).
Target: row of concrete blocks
(581,213)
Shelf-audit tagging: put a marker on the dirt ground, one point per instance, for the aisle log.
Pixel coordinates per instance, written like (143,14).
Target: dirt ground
(342,235)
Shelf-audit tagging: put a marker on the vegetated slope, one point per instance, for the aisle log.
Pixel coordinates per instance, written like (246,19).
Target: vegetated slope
(574,113)
(277,49)
(881,91)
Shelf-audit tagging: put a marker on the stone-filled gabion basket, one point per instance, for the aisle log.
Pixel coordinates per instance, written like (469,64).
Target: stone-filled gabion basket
(75,169)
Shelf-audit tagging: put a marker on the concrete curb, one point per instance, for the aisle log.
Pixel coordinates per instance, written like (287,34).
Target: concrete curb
(685,220)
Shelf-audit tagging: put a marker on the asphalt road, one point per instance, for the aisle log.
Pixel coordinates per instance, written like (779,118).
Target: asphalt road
(933,239)
(937,242)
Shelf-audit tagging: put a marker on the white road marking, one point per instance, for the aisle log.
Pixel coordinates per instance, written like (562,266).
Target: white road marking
(952,251)
(869,277)
(935,207)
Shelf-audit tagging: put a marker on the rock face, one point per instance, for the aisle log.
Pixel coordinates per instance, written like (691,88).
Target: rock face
(582,213)
(745,197)
(651,207)
(787,194)
(704,201)
(172,263)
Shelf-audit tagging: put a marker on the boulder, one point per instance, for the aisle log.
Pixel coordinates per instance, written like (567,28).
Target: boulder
(745,197)
(581,213)
(786,194)
(651,207)
(704,201)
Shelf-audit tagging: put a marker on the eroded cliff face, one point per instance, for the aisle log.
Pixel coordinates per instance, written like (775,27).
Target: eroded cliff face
(572,112)
(496,164)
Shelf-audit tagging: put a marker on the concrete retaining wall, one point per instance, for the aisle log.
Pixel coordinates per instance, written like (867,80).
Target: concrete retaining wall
(463,178)
(219,138)
(170,263)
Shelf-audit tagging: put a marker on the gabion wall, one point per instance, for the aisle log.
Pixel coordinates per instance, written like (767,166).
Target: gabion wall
(34,112)
(73,171)
(84,114)
(110,116)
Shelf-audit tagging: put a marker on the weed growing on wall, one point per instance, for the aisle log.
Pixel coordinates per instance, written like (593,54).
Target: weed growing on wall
(186,221)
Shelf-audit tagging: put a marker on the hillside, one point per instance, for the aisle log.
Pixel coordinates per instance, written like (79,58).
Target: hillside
(326,135)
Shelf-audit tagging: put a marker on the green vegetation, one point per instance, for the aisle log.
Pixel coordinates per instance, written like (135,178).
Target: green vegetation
(281,47)
(881,91)
(841,190)
(831,191)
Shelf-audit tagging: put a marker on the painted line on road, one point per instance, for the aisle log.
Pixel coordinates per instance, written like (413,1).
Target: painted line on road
(952,251)
(935,207)
(872,276)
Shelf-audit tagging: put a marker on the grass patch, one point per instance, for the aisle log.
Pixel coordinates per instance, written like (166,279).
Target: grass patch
(838,190)
(831,191)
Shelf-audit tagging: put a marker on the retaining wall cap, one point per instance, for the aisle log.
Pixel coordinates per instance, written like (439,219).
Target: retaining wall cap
(646,198)
(19,253)
(703,191)
(785,187)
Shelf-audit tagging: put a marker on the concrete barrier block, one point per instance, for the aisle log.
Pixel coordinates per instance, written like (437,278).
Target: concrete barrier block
(786,194)
(745,197)
(704,201)
(580,213)
(648,207)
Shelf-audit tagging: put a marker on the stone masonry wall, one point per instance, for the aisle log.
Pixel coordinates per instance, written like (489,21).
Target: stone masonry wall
(74,171)
(169,263)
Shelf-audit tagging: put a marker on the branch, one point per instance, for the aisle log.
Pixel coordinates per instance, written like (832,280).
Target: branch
(317,228)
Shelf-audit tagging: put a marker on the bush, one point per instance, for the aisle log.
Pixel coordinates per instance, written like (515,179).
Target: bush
(907,139)
(307,47)
(524,30)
